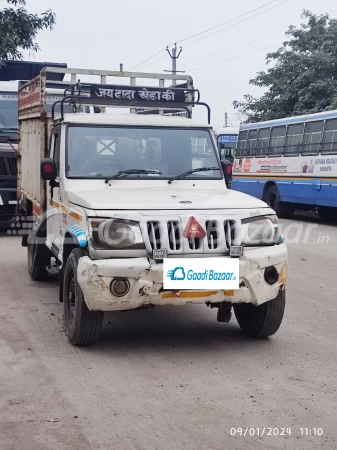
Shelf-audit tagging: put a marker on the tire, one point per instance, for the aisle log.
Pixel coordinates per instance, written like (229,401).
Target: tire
(327,214)
(261,321)
(82,325)
(282,209)
(38,258)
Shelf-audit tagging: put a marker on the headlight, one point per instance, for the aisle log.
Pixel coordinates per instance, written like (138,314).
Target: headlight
(260,231)
(116,234)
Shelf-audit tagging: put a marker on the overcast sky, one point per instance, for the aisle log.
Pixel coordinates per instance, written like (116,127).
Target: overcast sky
(101,34)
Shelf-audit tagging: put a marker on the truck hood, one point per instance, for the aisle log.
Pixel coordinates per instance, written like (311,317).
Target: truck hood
(162,198)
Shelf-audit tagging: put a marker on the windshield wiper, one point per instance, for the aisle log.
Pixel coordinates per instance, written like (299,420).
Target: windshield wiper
(133,171)
(185,174)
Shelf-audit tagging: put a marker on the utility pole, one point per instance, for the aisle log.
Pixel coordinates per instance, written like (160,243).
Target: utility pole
(226,120)
(174,56)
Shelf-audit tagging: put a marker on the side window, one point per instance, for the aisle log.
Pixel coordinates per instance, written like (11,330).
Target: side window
(242,144)
(294,139)
(56,149)
(263,141)
(277,140)
(252,143)
(330,137)
(313,137)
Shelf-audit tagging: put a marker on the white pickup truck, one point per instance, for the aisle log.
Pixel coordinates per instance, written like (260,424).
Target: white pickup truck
(114,198)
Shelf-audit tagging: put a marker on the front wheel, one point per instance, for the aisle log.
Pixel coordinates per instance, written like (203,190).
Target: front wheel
(282,209)
(82,325)
(38,258)
(261,321)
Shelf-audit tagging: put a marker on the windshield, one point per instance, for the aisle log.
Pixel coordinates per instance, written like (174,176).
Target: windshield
(102,152)
(227,150)
(8,111)
(227,145)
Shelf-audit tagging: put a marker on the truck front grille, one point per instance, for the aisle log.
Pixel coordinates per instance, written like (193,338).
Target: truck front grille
(8,166)
(212,234)
(229,229)
(168,234)
(174,235)
(154,234)
(3,167)
(12,166)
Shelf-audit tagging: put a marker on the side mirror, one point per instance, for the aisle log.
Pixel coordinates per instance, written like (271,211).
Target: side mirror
(228,172)
(48,169)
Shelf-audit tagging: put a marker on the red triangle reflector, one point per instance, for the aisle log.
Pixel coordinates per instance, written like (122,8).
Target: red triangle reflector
(193,229)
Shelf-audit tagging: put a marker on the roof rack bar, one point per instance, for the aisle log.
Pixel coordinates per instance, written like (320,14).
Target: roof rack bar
(105,88)
(118,74)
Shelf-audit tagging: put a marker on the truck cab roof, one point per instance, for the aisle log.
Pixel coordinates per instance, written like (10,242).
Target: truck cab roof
(130,119)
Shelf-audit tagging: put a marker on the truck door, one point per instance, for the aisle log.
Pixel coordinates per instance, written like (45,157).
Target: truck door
(54,206)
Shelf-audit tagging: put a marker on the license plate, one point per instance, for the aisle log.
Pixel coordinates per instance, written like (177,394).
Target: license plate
(236,251)
(159,254)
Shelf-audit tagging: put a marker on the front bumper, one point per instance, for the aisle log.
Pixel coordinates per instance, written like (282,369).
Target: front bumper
(146,282)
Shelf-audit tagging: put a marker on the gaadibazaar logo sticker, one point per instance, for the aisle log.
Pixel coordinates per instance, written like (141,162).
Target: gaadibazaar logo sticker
(201,273)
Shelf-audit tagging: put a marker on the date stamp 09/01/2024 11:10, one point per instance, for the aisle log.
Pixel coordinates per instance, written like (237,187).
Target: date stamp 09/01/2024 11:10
(270,431)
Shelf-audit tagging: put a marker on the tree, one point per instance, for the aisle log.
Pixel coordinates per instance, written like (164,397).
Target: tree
(18,29)
(303,77)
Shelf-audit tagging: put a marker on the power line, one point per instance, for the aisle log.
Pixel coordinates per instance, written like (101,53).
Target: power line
(147,59)
(228,59)
(240,45)
(211,64)
(210,29)
(228,49)
(224,23)
(232,48)
(237,23)
(153,62)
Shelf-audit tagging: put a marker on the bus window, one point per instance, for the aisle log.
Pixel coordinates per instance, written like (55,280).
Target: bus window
(294,139)
(277,140)
(252,143)
(242,144)
(263,141)
(313,137)
(330,137)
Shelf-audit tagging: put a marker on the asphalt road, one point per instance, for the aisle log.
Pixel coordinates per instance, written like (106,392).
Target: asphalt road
(171,377)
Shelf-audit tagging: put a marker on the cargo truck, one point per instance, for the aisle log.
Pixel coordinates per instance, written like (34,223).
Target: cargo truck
(134,210)
(11,73)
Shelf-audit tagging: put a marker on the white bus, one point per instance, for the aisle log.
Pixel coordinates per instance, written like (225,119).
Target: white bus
(290,163)
(227,139)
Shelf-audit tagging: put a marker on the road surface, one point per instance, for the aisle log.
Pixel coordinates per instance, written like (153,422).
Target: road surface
(171,377)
